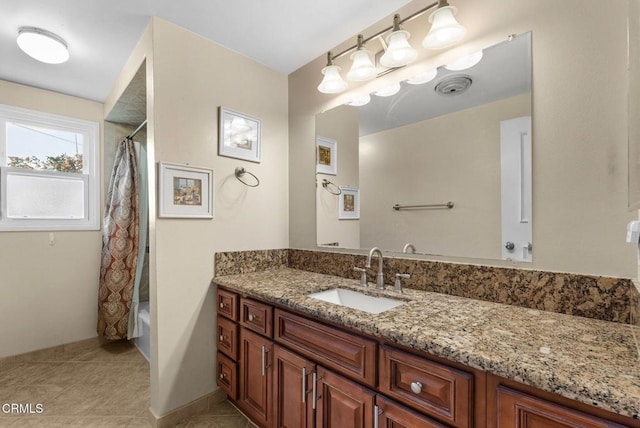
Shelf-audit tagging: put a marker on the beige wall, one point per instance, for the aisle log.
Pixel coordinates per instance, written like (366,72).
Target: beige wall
(192,78)
(341,125)
(579,126)
(432,162)
(50,293)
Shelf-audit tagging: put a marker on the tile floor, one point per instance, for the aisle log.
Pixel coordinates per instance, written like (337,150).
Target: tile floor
(89,385)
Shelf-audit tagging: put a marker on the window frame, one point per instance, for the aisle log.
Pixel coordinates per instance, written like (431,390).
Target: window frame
(91,169)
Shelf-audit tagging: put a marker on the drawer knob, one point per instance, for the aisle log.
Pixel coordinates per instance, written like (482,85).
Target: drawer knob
(221,305)
(416,387)
(222,338)
(221,375)
(252,317)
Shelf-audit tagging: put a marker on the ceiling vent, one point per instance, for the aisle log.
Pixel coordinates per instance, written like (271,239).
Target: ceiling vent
(453,85)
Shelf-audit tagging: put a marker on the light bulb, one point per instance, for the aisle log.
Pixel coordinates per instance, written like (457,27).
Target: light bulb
(445,30)
(399,52)
(362,67)
(332,82)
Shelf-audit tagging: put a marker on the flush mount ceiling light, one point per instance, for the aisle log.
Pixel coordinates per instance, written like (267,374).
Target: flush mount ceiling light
(43,45)
(445,30)
(398,52)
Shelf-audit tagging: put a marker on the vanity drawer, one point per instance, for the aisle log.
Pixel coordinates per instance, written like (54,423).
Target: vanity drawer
(227,376)
(227,304)
(256,316)
(440,391)
(227,337)
(345,353)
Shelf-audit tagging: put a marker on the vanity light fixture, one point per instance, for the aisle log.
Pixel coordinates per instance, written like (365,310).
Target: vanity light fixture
(362,67)
(332,82)
(360,100)
(43,45)
(445,31)
(465,62)
(399,52)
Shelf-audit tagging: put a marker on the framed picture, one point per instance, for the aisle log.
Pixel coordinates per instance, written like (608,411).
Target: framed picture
(349,203)
(185,191)
(326,156)
(239,135)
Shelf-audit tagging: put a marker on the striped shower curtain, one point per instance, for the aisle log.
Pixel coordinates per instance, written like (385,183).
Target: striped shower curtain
(119,245)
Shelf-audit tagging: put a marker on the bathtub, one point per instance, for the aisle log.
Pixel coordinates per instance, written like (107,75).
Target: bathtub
(143,343)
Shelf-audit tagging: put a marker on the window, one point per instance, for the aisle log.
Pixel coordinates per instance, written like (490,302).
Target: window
(49,173)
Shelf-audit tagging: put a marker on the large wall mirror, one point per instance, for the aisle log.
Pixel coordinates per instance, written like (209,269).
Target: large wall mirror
(463,137)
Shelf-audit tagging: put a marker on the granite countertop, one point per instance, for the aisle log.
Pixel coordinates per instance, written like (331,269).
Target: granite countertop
(595,362)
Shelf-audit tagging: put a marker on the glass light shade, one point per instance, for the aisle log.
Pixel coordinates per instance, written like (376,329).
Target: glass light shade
(332,82)
(42,45)
(399,52)
(445,30)
(362,68)
(423,77)
(465,62)
(389,90)
(360,100)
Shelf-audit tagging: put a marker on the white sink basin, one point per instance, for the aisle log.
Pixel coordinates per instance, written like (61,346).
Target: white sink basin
(355,300)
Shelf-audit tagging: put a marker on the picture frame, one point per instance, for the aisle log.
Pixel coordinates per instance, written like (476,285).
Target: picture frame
(349,203)
(326,156)
(239,135)
(185,191)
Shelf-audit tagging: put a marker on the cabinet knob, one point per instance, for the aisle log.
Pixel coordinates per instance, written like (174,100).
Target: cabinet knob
(222,338)
(416,387)
(221,375)
(221,305)
(252,317)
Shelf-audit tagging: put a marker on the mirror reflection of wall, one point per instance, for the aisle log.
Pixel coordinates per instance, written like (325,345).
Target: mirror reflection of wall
(420,147)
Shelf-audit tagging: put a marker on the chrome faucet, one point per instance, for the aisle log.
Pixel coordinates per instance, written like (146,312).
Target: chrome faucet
(380,276)
(409,247)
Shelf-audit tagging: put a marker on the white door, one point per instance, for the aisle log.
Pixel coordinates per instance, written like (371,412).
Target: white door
(515,156)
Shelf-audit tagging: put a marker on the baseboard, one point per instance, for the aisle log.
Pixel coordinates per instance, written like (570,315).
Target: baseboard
(52,352)
(183,413)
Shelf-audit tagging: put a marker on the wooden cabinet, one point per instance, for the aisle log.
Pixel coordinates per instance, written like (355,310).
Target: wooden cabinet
(342,403)
(293,378)
(227,304)
(227,375)
(255,373)
(393,415)
(346,353)
(440,391)
(256,317)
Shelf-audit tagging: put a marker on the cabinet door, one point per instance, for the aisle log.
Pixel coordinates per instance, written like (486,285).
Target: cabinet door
(342,403)
(255,377)
(516,409)
(291,390)
(394,415)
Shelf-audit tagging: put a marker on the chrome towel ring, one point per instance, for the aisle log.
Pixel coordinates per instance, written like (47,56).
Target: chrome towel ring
(240,173)
(326,183)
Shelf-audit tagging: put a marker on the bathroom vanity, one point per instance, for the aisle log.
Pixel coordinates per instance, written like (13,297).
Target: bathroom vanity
(287,359)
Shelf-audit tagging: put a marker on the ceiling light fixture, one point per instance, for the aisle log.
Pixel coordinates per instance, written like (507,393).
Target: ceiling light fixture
(43,45)
(445,31)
